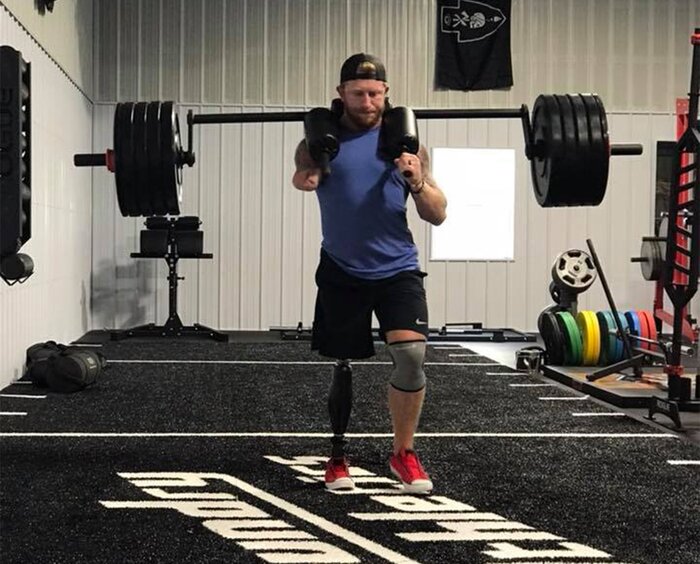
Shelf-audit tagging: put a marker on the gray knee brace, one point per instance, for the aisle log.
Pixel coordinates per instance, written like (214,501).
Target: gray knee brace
(407,375)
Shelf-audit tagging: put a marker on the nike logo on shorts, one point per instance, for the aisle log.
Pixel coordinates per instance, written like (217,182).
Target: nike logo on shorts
(419,322)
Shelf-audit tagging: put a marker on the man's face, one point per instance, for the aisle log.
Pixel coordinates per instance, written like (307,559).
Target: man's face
(364,101)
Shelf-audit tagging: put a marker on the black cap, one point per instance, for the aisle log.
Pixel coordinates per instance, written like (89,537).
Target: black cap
(362,65)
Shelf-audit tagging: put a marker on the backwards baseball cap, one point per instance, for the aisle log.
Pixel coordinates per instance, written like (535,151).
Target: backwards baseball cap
(360,66)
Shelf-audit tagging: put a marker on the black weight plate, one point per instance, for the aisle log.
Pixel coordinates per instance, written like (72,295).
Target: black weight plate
(138,140)
(554,308)
(548,148)
(571,158)
(605,349)
(171,173)
(584,145)
(154,159)
(553,339)
(596,173)
(555,292)
(119,181)
(128,205)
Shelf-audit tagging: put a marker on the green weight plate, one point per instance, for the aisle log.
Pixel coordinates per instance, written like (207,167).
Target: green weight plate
(158,204)
(624,327)
(171,169)
(138,139)
(573,338)
(554,339)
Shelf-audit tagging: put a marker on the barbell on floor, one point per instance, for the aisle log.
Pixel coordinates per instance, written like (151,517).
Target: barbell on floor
(567,144)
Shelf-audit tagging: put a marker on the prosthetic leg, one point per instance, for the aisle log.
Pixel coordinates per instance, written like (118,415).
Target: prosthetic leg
(340,406)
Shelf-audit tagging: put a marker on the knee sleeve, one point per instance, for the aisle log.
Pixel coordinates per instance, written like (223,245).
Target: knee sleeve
(407,375)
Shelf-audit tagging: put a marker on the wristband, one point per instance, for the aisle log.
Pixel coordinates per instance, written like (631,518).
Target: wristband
(422,185)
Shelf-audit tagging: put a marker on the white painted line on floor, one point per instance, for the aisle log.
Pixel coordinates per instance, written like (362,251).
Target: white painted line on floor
(566,398)
(593,414)
(315,520)
(506,374)
(22,382)
(684,462)
(276,435)
(12,413)
(465,354)
(292,362)
(532,385)
(33,396)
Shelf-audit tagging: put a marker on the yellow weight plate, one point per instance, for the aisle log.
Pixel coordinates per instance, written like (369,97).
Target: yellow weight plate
(590,335)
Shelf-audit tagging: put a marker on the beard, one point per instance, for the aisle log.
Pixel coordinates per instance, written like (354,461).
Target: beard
(364,120)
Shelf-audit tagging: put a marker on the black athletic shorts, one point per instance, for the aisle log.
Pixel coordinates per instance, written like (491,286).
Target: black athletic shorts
(342,325)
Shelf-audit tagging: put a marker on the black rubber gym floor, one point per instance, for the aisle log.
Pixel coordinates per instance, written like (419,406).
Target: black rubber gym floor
(194,452)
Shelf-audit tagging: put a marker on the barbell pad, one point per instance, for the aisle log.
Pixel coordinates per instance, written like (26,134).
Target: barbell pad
(321,132)
(398,133)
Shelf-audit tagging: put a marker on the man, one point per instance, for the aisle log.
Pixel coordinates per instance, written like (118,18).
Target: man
(369,263)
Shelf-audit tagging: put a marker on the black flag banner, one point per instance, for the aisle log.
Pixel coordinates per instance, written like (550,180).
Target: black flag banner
(473,45)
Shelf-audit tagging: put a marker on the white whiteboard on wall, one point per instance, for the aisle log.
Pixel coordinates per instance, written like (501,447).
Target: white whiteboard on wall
(480,188)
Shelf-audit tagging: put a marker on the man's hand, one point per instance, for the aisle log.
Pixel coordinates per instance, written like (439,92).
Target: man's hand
(307,179)
(411,168)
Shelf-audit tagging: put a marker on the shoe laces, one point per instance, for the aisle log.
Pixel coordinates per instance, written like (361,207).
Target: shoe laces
(410,460)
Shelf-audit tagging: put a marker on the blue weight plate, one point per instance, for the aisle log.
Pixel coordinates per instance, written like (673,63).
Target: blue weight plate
(635,328)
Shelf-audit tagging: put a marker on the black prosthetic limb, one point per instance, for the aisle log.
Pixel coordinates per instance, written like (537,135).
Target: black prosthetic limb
(340,405)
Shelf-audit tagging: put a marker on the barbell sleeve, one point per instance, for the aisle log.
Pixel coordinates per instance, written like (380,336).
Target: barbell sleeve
(626,149)
(90,159)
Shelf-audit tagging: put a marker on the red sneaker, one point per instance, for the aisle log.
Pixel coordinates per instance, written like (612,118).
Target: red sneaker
(407,468)
(338,474)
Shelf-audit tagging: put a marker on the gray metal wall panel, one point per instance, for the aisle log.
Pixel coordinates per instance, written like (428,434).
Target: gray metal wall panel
(170,61)
(286,54)
(54,302)
(234,54)
(128,49)
(149,55)
(106,50)
(213,58)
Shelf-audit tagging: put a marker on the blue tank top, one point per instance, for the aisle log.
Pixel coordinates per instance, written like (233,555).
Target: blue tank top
(363,211)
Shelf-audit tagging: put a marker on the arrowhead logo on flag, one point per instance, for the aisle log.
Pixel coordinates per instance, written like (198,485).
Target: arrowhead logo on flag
(471,20)
(473,45)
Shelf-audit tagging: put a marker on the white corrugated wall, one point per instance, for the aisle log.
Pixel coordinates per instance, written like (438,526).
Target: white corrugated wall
(55,302)
(271,55)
